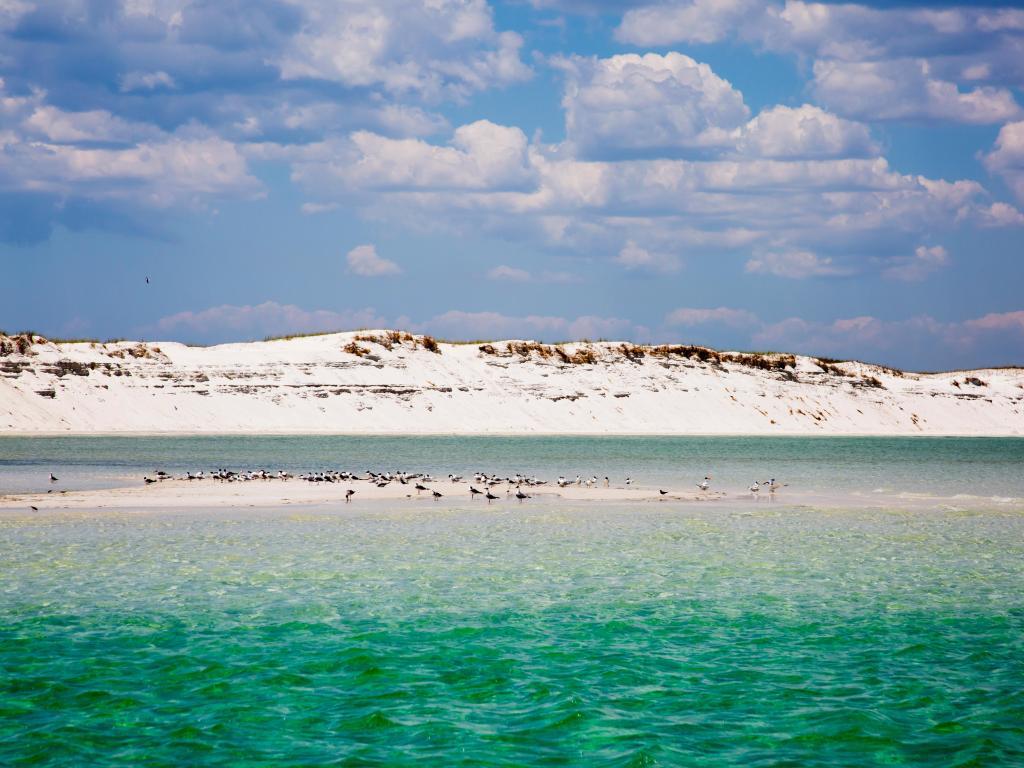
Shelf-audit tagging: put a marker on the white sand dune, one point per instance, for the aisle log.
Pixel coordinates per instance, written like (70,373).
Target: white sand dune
(345,383)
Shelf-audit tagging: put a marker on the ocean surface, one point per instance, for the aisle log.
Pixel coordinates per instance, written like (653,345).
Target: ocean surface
(839,625)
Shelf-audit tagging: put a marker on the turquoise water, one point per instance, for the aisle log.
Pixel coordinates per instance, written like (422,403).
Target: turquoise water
(548,633)
(982,467)
(583,635)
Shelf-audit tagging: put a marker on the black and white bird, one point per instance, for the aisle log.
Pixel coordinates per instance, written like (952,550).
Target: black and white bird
(490,497)
(53,478)
(520,495)
(473,492)
(349,494)
(437,495)
(662,492)
(420,487)
(705,483)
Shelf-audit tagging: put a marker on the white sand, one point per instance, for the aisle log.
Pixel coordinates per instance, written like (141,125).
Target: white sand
(208,494)
(311,385)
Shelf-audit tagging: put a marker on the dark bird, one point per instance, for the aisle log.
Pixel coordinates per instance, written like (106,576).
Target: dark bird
(349,494)
(437,495)
(34,509)
(662,492)
(147,279)
(149,480)
(490,497)
(420,487)
(473,492)
(53,478)
(520,495)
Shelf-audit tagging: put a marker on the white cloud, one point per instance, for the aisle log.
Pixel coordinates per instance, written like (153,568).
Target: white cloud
(904,89)
(443,49)
(700,21)
(804,132)
(633,257)
(876,63)
(69,154)
(1007,159)
(651,103)
(923,263)
(481,155)
(364,261)
(690,316)
(513,274)
(794,264)
(146,81)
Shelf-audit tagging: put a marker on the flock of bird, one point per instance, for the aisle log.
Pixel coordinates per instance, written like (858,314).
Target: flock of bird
(418,480)
(513,483)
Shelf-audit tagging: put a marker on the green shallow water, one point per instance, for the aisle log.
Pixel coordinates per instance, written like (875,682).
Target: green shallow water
(561,635)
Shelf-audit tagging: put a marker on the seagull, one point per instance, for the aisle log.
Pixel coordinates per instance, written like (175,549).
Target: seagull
(473,492)
(756,487)
(349,494)
(490,497)
(437,495)
(520,495)
(420,487)
(53,478)
(705,483)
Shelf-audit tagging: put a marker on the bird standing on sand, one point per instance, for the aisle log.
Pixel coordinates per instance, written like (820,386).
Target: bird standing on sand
(756,487)
(705,483)
(662,492)
(437,495)
(520,495)
(348,495)
(53,478)
(473,492)
(420,487)
(490,497)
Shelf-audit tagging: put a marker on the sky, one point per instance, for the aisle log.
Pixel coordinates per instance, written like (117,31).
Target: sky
(843,180)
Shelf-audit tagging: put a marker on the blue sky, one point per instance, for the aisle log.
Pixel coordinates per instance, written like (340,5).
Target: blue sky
(842,180)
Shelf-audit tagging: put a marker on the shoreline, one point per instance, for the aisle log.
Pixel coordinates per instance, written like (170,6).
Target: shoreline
(185,495)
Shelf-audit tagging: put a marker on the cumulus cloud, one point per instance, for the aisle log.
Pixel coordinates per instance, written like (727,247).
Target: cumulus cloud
(796,265)
(647,104)
(364,261)
(633,257)
(481,155)
(146,81)
(923,263)
(804,132)
(1007,159)
(905,89)
(878,63)
(434,49)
